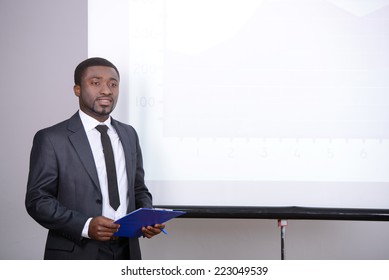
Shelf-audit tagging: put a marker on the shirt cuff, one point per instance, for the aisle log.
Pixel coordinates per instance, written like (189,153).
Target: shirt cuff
(85,230)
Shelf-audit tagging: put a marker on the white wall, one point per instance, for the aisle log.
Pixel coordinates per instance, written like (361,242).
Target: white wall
(41,43)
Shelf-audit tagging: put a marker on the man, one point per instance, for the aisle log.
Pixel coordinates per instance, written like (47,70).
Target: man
(68,189)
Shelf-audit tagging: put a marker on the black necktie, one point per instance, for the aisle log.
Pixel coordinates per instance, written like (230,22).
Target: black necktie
(113,192)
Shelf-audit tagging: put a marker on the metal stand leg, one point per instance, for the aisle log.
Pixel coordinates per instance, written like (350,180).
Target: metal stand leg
(282,225)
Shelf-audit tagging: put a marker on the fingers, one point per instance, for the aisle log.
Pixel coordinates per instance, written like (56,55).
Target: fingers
(151,231)
(102,228)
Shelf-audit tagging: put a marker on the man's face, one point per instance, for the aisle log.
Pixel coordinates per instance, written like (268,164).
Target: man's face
(98,92)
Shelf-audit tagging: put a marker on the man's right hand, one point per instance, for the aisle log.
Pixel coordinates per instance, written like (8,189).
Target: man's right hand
(102,228)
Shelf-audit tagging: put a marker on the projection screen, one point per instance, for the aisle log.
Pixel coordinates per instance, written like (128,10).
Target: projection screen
(254,103)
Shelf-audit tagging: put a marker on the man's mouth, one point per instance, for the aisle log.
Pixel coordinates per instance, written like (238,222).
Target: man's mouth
(105,101)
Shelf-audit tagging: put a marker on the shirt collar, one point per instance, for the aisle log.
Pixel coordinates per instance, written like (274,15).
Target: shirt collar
(90,123)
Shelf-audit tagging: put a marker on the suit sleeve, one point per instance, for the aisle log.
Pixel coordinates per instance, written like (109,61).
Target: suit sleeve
(42,191)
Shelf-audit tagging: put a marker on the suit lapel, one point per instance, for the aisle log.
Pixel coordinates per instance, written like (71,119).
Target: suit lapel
(80,143)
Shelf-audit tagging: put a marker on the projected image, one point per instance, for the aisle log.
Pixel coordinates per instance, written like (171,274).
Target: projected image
(308,71)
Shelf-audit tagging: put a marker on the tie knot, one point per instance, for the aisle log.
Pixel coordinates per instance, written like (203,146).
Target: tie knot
(102,128)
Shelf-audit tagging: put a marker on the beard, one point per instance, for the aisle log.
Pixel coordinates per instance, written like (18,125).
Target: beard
(97,110)
(102,111)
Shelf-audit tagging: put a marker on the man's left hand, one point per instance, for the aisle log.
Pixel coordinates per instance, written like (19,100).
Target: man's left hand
(151,231)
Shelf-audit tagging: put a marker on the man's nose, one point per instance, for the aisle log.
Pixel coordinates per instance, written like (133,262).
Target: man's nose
(105,89)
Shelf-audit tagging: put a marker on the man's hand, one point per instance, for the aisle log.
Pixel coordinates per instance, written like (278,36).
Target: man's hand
(102,228)
(151,231)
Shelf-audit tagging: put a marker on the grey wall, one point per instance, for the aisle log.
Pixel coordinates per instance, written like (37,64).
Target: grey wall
(41,43)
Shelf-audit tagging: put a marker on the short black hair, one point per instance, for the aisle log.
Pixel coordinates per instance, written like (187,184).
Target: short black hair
(93,61)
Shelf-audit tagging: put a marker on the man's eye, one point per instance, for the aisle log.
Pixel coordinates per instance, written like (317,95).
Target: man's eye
(114,85)
(95,83)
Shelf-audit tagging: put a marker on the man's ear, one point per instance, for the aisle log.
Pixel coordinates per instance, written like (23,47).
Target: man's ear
(77,90)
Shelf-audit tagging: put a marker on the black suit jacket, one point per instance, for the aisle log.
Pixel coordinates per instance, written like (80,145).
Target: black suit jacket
(63,189)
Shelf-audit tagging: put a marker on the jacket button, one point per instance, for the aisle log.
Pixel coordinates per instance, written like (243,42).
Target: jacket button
(98,201)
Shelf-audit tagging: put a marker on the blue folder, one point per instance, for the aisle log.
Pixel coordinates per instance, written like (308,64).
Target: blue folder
(131,224)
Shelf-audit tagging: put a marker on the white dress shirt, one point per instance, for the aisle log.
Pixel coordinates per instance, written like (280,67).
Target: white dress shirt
(93,135)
